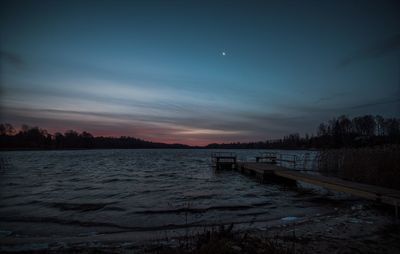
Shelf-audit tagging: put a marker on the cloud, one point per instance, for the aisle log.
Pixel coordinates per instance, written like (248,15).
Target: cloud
(201,128)
(388,105)
(377,50)
(166,114)
(330,97)
(382,101)
(12,59)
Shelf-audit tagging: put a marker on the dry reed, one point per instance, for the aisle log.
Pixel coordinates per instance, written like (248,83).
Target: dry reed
(373,165)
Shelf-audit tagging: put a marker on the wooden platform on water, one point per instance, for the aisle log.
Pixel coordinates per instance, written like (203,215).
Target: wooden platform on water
(224,160)
(264,171)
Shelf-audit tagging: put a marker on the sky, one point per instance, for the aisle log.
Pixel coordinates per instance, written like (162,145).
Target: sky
(197,72)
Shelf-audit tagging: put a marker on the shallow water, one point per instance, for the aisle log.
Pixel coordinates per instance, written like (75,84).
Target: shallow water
(80,193)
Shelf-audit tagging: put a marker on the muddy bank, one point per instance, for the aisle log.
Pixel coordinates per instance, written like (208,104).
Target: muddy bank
(360,228)
(350,226)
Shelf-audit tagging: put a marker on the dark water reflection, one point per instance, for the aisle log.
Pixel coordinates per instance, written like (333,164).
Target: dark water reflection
(77,192)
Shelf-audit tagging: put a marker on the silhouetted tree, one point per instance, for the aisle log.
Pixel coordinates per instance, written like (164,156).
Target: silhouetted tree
(391,127)
(322,130)
(58,140)
(364,125)
(345,125)
(6,129)
(337,132)
(380,125)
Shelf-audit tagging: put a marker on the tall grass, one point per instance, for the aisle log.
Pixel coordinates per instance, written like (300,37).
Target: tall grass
(373,165)
(224,240)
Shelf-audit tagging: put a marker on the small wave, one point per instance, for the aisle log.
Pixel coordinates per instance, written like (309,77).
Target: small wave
(262,204)
(199,195)
(290,218)
(31,202)
(11,184)
(253,214)
(127,228)
(250,195)
(205,196)
(204,209)
(4,233)
(82,207)
(197,210)
(10,197)
(61,221)
(167,174)
(113,208)
(86,188)
(95,223)
(117,180)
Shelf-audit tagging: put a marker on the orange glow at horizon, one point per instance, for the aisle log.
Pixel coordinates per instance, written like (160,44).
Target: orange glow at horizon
(189,137)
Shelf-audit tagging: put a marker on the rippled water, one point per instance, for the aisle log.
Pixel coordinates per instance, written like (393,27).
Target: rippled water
(73,193)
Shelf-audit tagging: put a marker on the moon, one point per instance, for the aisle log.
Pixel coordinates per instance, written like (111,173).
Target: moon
(223,53)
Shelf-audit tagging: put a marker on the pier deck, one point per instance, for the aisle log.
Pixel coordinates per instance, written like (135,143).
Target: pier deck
(224,160)
(264,171)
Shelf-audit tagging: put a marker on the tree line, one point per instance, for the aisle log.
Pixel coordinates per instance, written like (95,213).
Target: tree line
(338,132)
(359,131)
(36,138)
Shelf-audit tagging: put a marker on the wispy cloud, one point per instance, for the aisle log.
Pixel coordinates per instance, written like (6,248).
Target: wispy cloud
(330,97)
(377,50)
(201,128)
(156,128)
(364,107)
(377,102)
(11,58)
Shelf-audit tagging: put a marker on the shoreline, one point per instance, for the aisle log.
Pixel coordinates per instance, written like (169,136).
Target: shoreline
(346,226)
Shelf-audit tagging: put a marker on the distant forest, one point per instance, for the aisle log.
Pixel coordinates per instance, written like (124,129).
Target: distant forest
(37,138)
(339,132)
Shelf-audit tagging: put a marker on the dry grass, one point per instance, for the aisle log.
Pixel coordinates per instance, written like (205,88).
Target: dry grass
(374,165)
(225,241)
(219,240)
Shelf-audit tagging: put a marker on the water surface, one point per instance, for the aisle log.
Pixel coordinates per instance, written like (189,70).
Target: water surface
(75,193)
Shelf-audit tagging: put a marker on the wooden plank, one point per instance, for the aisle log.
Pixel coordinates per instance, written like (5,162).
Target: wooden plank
(330,184)
(384,195)
(262,166)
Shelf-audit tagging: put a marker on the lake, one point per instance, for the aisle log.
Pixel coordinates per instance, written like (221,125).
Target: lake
(92,192)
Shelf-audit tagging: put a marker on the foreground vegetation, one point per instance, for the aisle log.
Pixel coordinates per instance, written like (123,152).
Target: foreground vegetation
(219,241)
(372,165)
(224,241)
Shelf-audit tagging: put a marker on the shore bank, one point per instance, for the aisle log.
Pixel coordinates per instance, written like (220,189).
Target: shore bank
(348,226)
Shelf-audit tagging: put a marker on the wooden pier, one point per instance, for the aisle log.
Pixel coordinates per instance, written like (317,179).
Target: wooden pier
(270,171)
(224,160)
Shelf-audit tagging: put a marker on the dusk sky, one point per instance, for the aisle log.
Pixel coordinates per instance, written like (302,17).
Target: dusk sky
(197,72)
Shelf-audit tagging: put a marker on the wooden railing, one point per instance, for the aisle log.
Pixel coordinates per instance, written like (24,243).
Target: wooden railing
(223,154)
(288,160)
